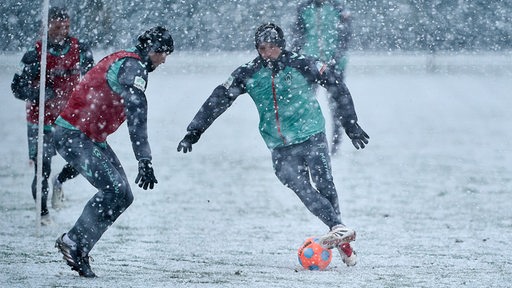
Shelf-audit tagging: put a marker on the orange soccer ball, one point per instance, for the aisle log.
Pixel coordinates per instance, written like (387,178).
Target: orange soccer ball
(312,256)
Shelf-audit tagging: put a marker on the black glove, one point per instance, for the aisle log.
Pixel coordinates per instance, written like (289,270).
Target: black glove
(357,135)
(186,144)
(23,89)
(146,176)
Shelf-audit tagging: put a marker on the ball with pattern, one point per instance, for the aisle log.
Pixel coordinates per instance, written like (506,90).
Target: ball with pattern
(312,256)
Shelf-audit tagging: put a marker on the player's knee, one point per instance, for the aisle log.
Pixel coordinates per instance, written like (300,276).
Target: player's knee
(125,193)
(286,179)
(128,198)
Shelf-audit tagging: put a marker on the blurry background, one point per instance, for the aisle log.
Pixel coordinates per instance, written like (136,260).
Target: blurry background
(205,25)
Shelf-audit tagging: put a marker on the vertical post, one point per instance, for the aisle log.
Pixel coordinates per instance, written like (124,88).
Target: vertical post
(40,135)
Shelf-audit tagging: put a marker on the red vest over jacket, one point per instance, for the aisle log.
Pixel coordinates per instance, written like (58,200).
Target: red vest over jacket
(62,75)
(94,107)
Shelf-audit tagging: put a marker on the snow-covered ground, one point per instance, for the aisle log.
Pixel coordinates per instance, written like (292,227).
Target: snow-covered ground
(430,197)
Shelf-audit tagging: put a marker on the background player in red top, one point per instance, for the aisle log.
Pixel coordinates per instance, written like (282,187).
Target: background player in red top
(67,59)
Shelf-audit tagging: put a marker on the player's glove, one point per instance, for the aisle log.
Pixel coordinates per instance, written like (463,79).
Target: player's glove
(146,177)
(186,144)
(357,135)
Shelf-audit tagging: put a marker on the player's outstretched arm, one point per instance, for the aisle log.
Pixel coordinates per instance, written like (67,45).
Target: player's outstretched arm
(185,145)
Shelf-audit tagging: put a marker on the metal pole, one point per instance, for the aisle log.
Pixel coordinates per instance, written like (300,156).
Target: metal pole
(40,135)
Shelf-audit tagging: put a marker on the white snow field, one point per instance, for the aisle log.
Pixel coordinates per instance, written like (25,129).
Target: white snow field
(430,197)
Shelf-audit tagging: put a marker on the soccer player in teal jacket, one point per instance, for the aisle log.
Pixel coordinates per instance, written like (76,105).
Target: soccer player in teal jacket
(282,85)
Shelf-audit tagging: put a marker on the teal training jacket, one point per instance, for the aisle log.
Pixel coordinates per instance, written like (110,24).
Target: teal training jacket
(284,94)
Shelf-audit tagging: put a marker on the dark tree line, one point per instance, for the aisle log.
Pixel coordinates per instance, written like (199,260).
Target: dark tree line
(229,25)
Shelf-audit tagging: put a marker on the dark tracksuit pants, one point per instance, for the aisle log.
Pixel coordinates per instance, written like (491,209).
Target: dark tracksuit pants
(101,167)
(48,152)
(298,165)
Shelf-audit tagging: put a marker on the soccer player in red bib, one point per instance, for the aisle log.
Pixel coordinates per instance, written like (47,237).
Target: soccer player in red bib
(110,94)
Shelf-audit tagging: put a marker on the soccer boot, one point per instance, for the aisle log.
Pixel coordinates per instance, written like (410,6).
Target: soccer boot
(57,193)
(46,220)
(339,234)
(348,255)
(74,258)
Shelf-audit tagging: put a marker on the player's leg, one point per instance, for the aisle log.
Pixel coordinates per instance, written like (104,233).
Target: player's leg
(48,153)
(113,197)
(319,163)
(45,213)
(101,167)
(32,136)
(291,169)
(67,172)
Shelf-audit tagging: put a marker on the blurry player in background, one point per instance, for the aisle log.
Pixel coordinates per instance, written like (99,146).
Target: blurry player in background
(67,60)
(323,29)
